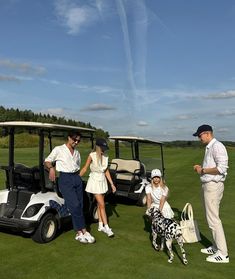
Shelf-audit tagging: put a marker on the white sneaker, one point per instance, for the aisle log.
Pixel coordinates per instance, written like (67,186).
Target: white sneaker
(81,238)
(217,258)
(101,229)
(109,232)
(209,250)
(89,238)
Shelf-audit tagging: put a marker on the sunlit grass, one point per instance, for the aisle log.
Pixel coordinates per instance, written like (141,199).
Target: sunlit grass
(129,254)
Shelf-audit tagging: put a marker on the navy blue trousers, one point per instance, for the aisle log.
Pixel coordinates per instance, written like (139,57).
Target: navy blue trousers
(71,188)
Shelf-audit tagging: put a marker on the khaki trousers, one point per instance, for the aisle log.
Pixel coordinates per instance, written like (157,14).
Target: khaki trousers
(212,193)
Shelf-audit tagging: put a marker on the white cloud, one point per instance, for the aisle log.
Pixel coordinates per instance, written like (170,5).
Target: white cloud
(223,130)
(226,113)
(75,16)
(54,111)
(98,107)
(185,117)
(25,68)
(98,89)
(142,123)
(8,78)
(86,88)
(222,95)
(22,67)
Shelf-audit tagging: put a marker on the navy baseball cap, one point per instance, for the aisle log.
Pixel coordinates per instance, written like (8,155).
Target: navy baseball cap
(102,143)
(203,128)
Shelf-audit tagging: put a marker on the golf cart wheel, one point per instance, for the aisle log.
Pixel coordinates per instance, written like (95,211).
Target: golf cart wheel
(142,201)
(47,229)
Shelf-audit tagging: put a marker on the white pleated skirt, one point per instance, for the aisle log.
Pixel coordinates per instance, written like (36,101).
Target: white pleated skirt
(97,183)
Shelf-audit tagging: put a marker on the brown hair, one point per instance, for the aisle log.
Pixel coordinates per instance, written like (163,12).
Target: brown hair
(74,133)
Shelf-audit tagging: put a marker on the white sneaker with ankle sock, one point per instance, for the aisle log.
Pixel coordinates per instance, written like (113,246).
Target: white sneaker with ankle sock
(101,229)
(100,226)
(107,230)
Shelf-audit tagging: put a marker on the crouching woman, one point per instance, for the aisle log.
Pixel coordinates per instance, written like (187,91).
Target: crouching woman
(157,193)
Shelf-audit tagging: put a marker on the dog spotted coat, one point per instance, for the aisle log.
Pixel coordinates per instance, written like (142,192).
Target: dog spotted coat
(168,229)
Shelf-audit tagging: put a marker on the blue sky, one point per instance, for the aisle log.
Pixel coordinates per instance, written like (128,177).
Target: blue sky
(152,68)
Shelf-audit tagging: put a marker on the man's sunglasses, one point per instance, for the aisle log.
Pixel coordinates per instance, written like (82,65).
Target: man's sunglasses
(76,139)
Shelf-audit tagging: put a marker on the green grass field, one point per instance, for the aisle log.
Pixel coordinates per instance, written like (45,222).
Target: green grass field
(129,254)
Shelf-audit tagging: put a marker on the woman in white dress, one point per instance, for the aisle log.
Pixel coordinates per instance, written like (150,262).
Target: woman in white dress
(97,181)
(157,193)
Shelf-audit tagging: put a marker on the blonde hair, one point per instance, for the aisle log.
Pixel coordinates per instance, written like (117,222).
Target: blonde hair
(99,154)
(162,182)
(163,185)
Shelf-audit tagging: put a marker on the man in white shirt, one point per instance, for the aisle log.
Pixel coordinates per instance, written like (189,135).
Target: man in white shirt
(213,173)
(68,161)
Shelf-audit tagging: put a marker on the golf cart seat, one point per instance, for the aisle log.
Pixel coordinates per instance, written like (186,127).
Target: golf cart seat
(125,171)
(26,178)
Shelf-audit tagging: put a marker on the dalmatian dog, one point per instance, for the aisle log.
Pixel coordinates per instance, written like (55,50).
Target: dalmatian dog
(168,229)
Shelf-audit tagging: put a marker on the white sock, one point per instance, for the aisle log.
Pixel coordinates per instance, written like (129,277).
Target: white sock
(100,225)
(106,226)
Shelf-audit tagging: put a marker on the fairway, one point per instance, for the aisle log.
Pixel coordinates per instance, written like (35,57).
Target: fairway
(129,254)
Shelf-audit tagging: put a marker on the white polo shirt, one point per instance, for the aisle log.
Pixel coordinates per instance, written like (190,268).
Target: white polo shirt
(65,161)
(215,156)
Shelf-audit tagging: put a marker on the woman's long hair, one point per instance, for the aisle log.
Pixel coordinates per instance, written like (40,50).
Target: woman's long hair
(161,183)
(99,154)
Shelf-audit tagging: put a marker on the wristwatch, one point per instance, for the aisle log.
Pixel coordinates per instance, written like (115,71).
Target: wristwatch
(202,171)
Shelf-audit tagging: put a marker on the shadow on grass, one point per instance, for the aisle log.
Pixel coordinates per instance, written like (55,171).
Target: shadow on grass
(15,233)
(110,206)
(122,200)
(205,241)
(176,250)
(111,202)
(177,213)
(147,228)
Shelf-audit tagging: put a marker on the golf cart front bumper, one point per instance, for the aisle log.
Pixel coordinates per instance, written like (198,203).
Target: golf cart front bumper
(17,224)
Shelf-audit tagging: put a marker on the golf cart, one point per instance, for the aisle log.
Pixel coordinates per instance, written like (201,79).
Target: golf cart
(135,157)
(30,202)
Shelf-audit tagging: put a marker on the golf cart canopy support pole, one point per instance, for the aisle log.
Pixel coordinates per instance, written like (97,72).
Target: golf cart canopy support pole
(11,157)
(137,151)
(50,141)
(41,160)
(117,148)
(163,166)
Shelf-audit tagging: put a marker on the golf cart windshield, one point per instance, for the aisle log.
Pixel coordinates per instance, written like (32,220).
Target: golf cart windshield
(148,152)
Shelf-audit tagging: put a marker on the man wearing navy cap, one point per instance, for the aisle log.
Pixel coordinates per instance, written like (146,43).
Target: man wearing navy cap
(212,175)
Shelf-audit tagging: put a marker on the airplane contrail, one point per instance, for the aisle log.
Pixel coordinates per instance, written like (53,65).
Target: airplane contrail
(127,46)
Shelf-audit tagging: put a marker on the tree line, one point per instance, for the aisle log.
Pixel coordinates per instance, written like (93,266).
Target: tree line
(11,114)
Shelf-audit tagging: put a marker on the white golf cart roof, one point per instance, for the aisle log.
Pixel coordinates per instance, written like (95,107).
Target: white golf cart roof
(44,130)
(133,138)
(47,126)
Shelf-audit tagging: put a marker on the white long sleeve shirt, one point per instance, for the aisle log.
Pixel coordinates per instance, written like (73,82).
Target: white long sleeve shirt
(65,161)
(215,156)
